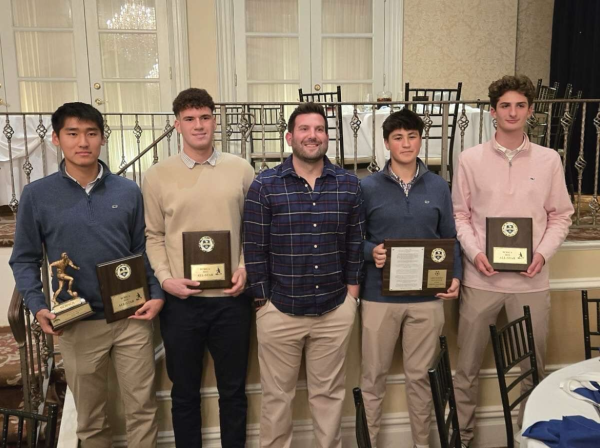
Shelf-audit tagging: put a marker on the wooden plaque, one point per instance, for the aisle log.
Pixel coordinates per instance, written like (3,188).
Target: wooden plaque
(207,258)
(509,243)
(123,285)
(423,267)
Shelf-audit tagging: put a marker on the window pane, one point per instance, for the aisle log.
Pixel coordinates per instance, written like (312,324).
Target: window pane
(115,145)
(45,54)
(46,96)
(272,58)
(42,13)
(349,59)
(273,93)
(131,97)
(351,92)
(347,16)
(268,16)
(126,15)
(129,55)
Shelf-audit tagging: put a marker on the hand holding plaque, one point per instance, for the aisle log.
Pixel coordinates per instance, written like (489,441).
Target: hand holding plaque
(72,310)
(207,259)
(123,286)
(418,267)
(509,243)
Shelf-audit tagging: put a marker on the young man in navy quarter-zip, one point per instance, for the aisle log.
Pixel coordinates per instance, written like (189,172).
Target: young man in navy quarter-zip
(94,216)
(405,200)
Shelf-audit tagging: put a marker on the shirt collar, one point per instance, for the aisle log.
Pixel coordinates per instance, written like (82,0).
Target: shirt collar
(89,186)
(522,146)
(397,178)
(287,167)
(191,163)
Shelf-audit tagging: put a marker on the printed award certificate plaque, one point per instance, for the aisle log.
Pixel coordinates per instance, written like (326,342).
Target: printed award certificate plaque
(71,310)
(417,267)
(207,258)
(123,286)
(509,243)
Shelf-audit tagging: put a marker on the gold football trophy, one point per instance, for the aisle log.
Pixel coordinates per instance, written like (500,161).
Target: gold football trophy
(72,310)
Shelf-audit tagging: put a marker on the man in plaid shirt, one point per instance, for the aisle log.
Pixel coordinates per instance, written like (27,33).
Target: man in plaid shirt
(303,233)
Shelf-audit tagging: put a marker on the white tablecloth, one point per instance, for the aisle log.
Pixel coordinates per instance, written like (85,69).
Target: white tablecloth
(365,135)
(548,401)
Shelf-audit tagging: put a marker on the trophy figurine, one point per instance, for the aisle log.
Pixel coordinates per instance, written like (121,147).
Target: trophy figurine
(76,308)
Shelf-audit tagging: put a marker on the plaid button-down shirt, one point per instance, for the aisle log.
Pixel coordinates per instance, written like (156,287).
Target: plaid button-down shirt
(303,246)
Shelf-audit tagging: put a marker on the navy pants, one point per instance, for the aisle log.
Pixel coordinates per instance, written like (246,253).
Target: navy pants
(221,324)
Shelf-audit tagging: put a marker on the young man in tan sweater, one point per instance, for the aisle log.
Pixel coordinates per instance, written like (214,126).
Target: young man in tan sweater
(200,189)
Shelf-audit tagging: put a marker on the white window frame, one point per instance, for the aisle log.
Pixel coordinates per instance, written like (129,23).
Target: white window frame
(231,48)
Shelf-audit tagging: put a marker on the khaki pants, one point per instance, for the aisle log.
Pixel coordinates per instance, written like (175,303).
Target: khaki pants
(86,347)
(478,310)
(419,325)
(281,340)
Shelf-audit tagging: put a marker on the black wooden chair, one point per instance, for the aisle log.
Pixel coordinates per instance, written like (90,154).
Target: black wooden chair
(362,429)
(33,420)
(587,333)
(331,112)
(513,344)
(436,130)
(442,390)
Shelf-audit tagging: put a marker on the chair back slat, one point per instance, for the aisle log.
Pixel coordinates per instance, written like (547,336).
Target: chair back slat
(514,345)
(442,391)
(33,421)
(362,429)
(589,331)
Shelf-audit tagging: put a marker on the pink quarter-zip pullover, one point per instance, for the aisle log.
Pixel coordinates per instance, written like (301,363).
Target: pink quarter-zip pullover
(487,184)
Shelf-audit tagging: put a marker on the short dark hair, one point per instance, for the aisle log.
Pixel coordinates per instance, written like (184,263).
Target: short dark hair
(81,111)
(192,98)
(307,108)
(403,119)
(509,83)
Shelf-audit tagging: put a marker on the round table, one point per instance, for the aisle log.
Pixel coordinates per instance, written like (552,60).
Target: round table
(548,401)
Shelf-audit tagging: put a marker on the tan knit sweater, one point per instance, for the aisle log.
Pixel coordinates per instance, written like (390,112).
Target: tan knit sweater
(179,199)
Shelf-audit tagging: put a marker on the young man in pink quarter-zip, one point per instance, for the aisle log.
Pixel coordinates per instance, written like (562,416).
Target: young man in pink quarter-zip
(506,176)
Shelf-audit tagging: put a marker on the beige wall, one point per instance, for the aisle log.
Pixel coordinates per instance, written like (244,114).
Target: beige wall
(475,42)
(534,38)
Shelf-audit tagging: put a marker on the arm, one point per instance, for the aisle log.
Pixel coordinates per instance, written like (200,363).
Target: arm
(559,209)
(256,237)
(26,258)
(355,234)
(152,307)
(155,231)
(447,229)
(461,200)
(138,246)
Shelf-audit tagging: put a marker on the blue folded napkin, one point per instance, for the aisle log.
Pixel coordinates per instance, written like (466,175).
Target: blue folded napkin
(591,394)
(570,432)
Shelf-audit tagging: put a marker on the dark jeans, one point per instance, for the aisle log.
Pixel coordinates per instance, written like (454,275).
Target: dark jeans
(223,325)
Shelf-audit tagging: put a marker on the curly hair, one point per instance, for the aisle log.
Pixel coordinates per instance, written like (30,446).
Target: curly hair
(192,98)
(307,108)
(508,83)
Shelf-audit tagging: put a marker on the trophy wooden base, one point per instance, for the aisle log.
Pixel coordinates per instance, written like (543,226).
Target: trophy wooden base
(70,311)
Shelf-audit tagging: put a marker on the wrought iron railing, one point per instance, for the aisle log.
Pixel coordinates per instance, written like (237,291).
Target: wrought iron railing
(36,351)
(255,131)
